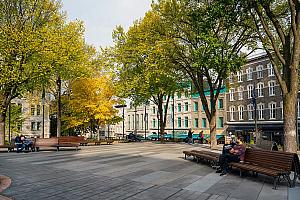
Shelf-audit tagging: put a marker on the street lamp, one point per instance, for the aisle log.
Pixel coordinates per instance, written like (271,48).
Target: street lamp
(122,106)
(43,104)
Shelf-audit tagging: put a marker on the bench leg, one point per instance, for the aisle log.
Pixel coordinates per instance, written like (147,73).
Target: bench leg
(57,148)
(37,149)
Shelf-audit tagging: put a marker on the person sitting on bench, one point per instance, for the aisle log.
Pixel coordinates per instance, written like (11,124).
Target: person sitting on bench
(19,144)
(234,154)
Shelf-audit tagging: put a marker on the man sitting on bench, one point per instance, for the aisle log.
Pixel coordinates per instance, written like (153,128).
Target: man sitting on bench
(234,154)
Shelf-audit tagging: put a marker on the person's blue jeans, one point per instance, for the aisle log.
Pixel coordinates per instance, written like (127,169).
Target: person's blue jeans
(225,159)
(19,147)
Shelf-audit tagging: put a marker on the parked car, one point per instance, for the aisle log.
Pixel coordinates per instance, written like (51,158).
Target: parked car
(133,138)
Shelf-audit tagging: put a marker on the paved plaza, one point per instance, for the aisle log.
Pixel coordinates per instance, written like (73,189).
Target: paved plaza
(132,171)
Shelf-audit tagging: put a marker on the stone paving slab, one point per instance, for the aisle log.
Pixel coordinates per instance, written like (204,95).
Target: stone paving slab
(137,171)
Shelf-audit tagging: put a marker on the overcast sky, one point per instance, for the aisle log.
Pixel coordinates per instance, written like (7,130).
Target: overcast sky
(102,16)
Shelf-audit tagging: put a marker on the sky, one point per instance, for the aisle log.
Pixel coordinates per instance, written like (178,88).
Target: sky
(102,16)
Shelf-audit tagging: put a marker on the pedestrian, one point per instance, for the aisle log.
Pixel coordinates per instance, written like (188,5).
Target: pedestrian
(190,136)
(201,137)
(18,143)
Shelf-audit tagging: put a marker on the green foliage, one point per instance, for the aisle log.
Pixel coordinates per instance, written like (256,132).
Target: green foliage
(145,71)
(205,40)
(26,28)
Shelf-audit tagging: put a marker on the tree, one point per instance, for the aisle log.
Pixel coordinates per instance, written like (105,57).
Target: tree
(277,25)
(70,58)
(90,101)
(145,72)
(25,31)
(207,39)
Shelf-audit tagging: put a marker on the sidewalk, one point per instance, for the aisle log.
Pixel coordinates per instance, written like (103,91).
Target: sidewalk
(131,171)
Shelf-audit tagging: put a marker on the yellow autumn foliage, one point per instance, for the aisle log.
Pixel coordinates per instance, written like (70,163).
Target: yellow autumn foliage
(91,99)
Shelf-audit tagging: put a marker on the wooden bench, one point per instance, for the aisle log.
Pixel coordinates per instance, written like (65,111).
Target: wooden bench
(207,156)
(100,142)
(69,141)
(276,164)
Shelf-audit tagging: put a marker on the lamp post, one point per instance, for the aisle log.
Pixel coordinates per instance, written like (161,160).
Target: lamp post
(43,104)
(135,121)
(122,106)
(9,119)
(145,120)
(173,118)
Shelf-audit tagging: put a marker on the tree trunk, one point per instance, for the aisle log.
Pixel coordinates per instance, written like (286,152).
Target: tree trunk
(289,112)
(58,82)
(213,130)
(2,127)
(161,121)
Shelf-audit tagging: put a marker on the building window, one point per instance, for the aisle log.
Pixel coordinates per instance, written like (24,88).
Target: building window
(165,97)
(270,70)
(231,78)
(260,108)
(32,110)
(231,94)
(203,122)
(33,127)
(259,70)
(260,89)
(153,123)
(178,95)
(129,121)
(203,108)
(250,91)
(186,122)
(221,122)
(133,121)
(281,106)
(179,107)
(240,93)
(179,122)
(153,110)
(142,121)
(195,106)
(186,106)
(196,123)
(38,126)
(298,109)
(240,76)
(221,104)
(250,112)
(249,73)
(272,108)
(231,113)
(137,121)
(271,88)
(186,94)
(165,109)
(241,111)
(38,110)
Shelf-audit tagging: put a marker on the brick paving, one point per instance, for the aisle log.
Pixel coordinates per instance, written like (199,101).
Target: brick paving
(131,171)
